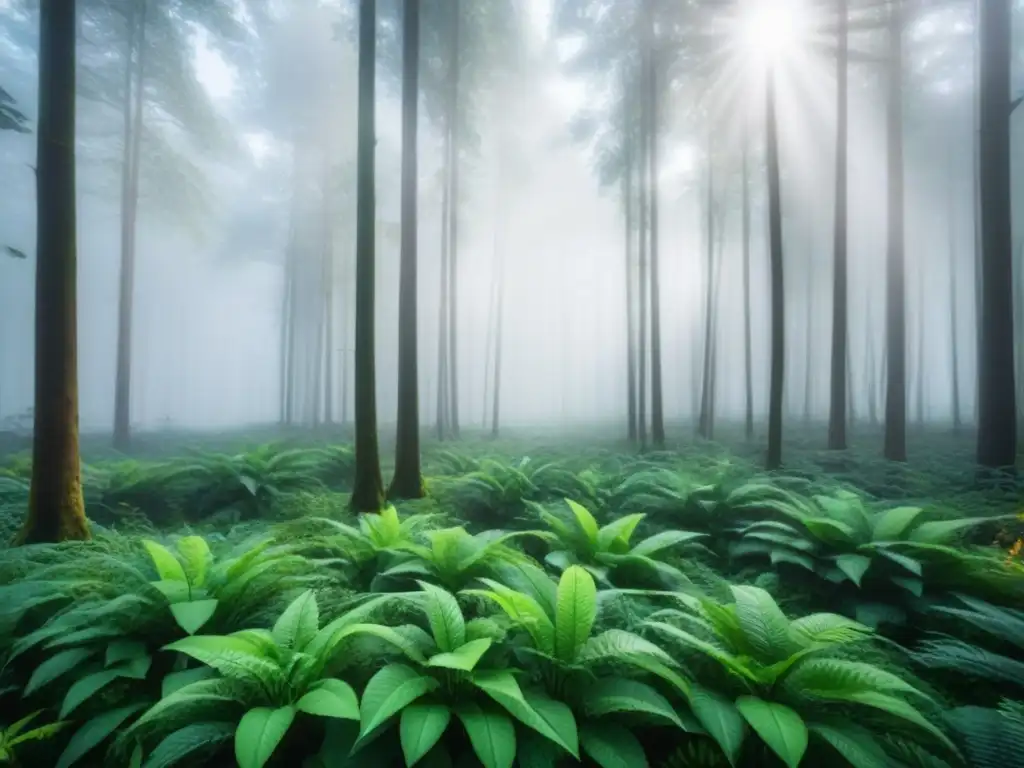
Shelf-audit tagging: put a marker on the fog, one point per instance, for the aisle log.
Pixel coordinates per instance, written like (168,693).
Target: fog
(223,190)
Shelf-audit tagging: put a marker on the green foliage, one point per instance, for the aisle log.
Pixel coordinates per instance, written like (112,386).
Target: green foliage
(16,733)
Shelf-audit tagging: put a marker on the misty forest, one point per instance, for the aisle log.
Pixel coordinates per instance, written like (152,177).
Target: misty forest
(537,383)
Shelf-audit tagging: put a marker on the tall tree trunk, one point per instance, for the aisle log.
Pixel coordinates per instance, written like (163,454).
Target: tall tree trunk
(129,213)
(747,346)
(631,351)
(329,269)
(443,311)
(498,344)
(283,339)
(954,328)
(704,425)
(453,212)
(997,415)
(840,321)
(657,405)
(492,301)
(922,304)
(809,333)
(56,511)
(895,316)
(368,492)
(778,321)
(642,281)
(407,482)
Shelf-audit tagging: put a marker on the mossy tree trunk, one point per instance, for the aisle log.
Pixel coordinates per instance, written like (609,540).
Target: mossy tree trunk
(368,493)
(407,482)
(56,509)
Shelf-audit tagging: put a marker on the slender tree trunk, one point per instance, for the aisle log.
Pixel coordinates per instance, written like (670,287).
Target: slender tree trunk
(838,393)
(997,415)
(922,303)
(453,212)
(809,334)
(704,426)
(747,346)
(642,280)
(492,301)
(329,294)
(129,214)
(286,288)
(368,493)
(443,316)
(657,404)
(498,344)
(408,482)
(56,511)
(954,328)
(778,321)
(896,319)
(631,351)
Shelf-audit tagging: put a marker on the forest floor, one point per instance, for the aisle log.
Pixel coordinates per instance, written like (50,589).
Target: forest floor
(635,596)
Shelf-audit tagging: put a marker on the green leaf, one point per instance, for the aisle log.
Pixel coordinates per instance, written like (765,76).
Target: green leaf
(720,719)
(196,554)
(298,623)
(389,691)
(912,585)
(330,698)
(782,729)
(181,745)
(831,532)
(502,687)
(168,567)
(856,745)
(558,719)
(854,566)
(492,735)
(446,621)
(616,535)
(231,656)
(191,616)
(93,732)
(175,680)
(57,665)
(893,523)
(124,650)
(828,628)
(259,732)
(944,531)
(465,657)
(575,612)
(523,610)
(85,688)
(585,521)
(764,625)
(420,728)
(616,694)
(612,746)
(660,541)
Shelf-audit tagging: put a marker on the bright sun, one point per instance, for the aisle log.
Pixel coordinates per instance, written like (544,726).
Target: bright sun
(771,29)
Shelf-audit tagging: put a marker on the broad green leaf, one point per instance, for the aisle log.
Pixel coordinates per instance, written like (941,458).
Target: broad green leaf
(446,621)
(898,708)
(298,623)
(231,656)
(612,746)
(492,735)
(330,698)
(661,541)
(420,728)
(615,536)
(828,628)
(832,532)
(389,635)
(57,665)
(465,657)
(196,555)
(893,523)
(575,612)
(905,562)
(174,591)
(388,692)
(944,531)
(836,679)
(93,732)
(855,744)
(191,616)
(559,719)
(793,558)
(913,585)
(585,521)
(765,627)
(616,694)
(710,650)
(259,732)
(187,744)
(782,729)
(124,650)
(854,566)
(523,610)
(720,719)
(168,567)
(502,687)
(85,688)
(176,680)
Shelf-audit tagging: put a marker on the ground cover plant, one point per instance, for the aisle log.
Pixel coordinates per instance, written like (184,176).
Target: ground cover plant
(539,608)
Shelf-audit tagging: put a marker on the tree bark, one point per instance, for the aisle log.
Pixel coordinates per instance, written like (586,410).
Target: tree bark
(778,316)
(642,279)
(129,211)
(840,292)
(407,482)
(896,319)
(657,405)
(442,312)
(453,212)
(747,346)
(56,510)
(627,195)
(705,426)
(997,408)
(368,493)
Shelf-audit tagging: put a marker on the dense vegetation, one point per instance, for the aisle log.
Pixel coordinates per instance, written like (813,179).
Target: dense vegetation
(537,608)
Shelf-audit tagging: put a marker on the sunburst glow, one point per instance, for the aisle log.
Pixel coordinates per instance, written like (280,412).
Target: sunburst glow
(770,30)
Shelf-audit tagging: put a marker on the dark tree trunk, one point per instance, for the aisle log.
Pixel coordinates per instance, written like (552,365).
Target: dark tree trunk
(895,316)
(329,362)
(129,214)
(497,348)
(840,322)
(631,351)
(922,303)
(747,351)
(407,482)
(453,212)
(642,280)
(954,328)
(997,409)
(368,492)
(657,406)
(778,321)
(56,510)
(705,427)
(443,316)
